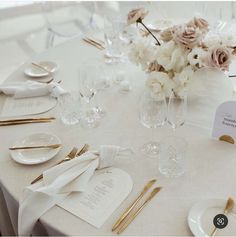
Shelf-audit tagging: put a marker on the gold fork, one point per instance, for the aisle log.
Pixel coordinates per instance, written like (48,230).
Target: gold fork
(83,150)
(70,156)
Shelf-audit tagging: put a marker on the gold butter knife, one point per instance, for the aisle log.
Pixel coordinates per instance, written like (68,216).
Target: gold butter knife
(24,122)
(42,68)
(92,43)
(132,217)
(228,207)
(133,204)
(95,42)
(26,119)
(53,146)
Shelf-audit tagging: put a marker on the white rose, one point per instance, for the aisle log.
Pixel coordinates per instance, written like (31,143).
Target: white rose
(159,83)
(228,40)
(142,53)
(183,79)
(171,56)
(211,40)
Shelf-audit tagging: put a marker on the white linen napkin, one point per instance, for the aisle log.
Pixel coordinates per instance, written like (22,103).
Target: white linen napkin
(32,89)
(60,181)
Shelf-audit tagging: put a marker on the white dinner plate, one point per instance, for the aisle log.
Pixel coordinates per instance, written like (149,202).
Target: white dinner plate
(201,215)
(35,156)
(33,71)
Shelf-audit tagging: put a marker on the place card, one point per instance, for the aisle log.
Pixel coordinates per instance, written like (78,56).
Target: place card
(106,190)
(224,128)
(26,106)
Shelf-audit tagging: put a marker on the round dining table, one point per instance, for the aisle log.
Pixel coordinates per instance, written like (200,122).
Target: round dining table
(210,164)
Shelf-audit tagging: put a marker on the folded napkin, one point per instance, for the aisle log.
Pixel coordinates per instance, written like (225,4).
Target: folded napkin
(60,181)
(32,89)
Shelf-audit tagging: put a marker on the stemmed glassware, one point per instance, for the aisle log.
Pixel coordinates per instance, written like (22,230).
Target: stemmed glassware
(152,114)
(177,110)
(113,27)
(87,90)
(172,148)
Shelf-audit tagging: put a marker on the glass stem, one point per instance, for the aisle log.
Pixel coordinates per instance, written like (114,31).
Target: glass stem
(153,134)
(174,131)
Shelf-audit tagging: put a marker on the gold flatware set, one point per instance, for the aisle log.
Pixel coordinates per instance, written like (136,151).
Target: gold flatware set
(130,213)
(72,154)
(25,121)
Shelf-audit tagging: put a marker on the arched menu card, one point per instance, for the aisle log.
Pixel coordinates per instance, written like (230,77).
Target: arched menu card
(106,191)
(225,122)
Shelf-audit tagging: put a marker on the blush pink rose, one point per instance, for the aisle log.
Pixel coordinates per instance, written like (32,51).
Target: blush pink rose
(187,36)
(167,34)
(199,23)
(219,57)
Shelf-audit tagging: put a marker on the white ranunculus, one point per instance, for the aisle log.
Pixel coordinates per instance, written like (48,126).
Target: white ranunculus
(142,53)
(195,57)
(159,83)
(171,56)
(183,79)
(211,40)
(228,40)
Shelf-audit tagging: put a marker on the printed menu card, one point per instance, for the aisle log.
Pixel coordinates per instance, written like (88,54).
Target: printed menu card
(106,190)
(26,106)
(224,128)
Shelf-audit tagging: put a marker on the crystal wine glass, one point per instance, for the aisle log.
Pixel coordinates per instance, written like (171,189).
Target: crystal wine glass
(152,114)
(177,110)
(87,90)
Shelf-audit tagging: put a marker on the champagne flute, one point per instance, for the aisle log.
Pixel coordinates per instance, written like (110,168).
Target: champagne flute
(152,114)
(177,110)
(87,89)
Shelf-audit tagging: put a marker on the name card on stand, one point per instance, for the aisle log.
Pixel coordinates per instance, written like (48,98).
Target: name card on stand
(224,128)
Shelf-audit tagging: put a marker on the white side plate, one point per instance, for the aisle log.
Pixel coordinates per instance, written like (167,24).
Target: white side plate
(35,156)
(33,71)
(201,215)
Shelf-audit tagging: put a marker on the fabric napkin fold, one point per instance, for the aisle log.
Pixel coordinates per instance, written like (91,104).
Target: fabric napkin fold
(32,89)
(59,181)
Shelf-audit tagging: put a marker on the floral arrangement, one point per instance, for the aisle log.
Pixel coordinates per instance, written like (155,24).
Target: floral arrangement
(178,53)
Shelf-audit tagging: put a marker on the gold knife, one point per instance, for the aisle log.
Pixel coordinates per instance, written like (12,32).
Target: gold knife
(24,122)
(133,204)
(26,119)
(92,43)
(132,217)
(95,42)
(53,146)
(42,68)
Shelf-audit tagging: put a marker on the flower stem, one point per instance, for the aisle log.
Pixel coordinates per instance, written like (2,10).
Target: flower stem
(140,21)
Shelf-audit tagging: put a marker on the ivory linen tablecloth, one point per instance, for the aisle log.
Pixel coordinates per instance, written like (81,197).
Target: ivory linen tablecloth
(211,165)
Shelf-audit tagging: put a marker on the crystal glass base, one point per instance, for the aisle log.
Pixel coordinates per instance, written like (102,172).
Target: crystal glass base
(172,156)
(90,118)
(151,149)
